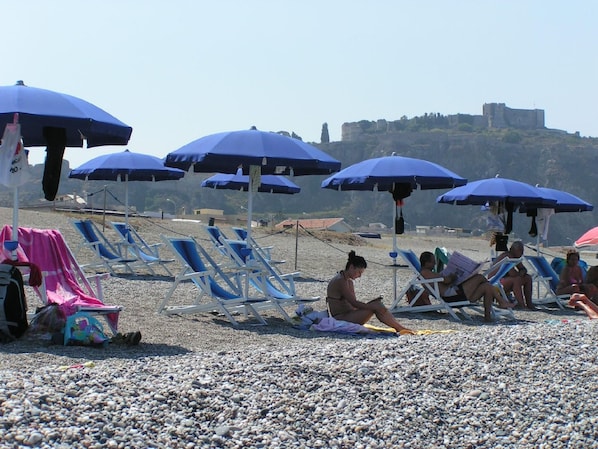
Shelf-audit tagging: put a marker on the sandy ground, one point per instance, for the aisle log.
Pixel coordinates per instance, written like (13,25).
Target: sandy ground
(317,256)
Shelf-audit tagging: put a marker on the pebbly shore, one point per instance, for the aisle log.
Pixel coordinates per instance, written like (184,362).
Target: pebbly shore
(196,381)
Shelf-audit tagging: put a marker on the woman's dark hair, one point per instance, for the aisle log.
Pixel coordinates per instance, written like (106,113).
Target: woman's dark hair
(356,261)
(425,257)
(571,253)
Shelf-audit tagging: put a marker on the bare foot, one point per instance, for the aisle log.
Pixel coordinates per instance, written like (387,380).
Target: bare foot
(406,331)
(506,304)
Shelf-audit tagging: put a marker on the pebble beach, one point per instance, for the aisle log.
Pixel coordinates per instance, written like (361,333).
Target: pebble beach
(196,381)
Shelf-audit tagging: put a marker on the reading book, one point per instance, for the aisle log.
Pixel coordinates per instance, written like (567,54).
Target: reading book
(462,266)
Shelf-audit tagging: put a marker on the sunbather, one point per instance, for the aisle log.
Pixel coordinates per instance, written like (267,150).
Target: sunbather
(343,305)
(581,301)
(572,278)
(517,280)
(473,289)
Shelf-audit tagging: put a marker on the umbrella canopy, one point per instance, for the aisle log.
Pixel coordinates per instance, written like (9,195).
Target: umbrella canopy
(40,109)
(565,201)
(274,153)
(126,166)
(395,174)
(504,190)
(238,181)
(56,121)
(384,173)
(256,153)
(510,194)
(588,239)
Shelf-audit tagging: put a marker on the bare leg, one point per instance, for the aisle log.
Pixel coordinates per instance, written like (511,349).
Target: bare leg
(515,284)
(478,287)
(384,315)
(527,291)
(583,302)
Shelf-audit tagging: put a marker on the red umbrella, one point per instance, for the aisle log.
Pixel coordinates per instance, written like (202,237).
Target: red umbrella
(590,238)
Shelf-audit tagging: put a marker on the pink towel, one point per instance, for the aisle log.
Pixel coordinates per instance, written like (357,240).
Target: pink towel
(47,249)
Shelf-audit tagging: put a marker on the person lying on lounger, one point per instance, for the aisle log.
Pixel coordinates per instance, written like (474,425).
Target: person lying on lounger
(343,305)
(472,289)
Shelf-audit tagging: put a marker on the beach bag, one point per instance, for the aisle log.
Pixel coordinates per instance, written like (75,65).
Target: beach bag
(13,305)
(48,319)
(83,329)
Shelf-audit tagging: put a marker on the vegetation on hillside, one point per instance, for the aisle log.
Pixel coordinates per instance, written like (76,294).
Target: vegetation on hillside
(548,158)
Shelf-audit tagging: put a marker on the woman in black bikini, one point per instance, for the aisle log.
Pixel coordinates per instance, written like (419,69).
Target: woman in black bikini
(343,305)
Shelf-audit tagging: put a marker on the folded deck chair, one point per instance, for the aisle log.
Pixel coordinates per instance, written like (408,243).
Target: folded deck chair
(106,254)
(63,279)
(420,284)
(218,291)
(546,280)
(140,249)
(265,251)
(279,289)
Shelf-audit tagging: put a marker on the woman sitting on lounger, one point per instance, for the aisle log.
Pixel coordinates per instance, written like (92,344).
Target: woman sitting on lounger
(472,289)
(343,305)
(572,278)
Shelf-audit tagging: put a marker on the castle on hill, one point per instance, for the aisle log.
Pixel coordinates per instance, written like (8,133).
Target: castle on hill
(494,115)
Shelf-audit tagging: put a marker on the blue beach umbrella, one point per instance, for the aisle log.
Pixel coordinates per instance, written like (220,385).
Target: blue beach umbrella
(256,153)
(395,174)
(239,181)
(385,173)
(510,194)
(273,153)
(56,121)
(126,166)
(565,202)
(40,109)
(504,190)
(268,183)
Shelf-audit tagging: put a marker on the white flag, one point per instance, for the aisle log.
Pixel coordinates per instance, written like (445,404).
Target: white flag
(14,166)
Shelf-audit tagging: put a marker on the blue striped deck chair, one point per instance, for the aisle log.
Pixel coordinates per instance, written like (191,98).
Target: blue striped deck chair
(265,251)
(216,236)
(496,272)
(106,254)
(218,291)
(279,289)
(421,285)
(546,280)
(147,254)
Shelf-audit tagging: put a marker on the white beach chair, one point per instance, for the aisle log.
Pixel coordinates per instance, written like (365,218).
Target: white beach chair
(217,291)
(421,285)
(145,253)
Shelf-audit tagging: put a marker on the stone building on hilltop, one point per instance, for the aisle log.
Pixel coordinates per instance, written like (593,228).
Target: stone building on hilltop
(494,115)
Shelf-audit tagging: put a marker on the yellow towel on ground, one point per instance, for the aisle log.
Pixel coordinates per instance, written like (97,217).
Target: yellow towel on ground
(419,332)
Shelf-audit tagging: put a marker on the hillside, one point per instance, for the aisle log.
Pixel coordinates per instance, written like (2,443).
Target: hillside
(546,157)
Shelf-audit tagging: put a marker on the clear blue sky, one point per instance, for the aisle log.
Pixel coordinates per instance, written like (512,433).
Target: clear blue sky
(181,69)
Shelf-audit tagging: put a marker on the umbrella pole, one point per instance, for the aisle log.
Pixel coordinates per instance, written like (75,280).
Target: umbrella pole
(15,220)
(249,208)
(394,250)
(127,200)
(104,217)
(394,231)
